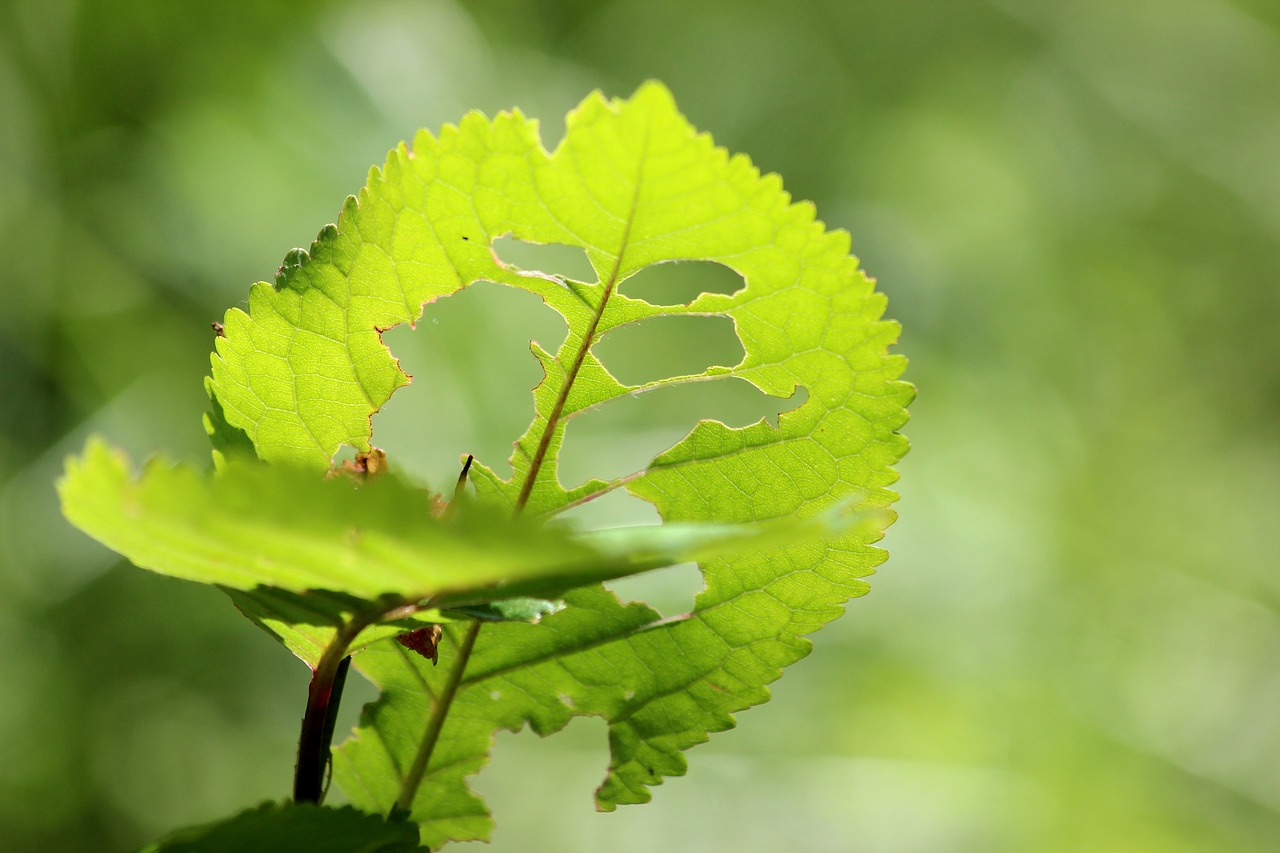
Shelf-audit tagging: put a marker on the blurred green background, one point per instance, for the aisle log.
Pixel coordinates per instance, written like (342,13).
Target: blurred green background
(1075,211)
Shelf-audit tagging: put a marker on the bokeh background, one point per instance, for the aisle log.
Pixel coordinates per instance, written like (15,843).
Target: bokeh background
(1074,209)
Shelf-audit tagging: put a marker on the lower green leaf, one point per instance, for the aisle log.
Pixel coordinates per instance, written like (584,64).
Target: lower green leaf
(294,828)
(662,684)
(300,554)
(306,624)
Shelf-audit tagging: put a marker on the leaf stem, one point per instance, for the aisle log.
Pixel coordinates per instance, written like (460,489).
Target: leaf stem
(413,779)
(588,340)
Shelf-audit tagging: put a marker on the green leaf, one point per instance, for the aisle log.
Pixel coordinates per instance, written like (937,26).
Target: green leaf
(509,610)
(305,624)
(633,185)
(301,554)
(227,441)
(294,828)
(782,518)
(283,527)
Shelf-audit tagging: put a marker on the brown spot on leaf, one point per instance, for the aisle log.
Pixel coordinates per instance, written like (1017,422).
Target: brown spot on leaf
(219,329)
(372,463)
(364,466)
(424,641)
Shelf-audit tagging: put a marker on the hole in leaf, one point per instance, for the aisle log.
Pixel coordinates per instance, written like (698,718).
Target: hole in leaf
(617,508)
(669,591)
(624,435)
(472,376)
(346,453)
(681,282)
(660,347)
(579,754)
(549,258)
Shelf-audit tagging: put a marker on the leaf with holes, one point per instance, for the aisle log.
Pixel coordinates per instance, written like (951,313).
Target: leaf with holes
(301,373)
(633,185)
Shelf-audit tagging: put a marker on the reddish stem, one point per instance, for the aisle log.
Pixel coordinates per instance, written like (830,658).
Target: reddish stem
(314,742)
(323,696)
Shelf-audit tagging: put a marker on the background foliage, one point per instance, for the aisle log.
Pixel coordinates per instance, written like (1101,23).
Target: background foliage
(1075,211)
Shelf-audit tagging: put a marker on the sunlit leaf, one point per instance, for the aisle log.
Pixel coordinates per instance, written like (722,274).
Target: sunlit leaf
(781,518)
(300,553)
(632,184)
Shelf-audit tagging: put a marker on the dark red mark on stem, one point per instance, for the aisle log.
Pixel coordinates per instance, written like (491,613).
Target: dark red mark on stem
(323,696)
(323,699)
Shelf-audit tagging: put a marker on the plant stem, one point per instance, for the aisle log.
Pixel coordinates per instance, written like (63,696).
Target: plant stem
(571,375)
(331,719)
(323,696)
(412,779)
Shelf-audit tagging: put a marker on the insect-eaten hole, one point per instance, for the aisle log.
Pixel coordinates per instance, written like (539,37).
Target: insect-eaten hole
(555,259)
(623,435)
(579,755)
(472,377)
(346,453)
(681,282)
(660,347)
(669,591)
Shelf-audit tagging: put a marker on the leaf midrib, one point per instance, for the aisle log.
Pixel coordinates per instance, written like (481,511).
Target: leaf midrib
(588,339)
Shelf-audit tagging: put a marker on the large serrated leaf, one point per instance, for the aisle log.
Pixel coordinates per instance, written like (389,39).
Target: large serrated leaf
(301,373)
(633,185)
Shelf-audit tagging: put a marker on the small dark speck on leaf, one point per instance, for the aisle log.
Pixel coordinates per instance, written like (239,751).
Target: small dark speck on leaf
(465,237)
(219,329)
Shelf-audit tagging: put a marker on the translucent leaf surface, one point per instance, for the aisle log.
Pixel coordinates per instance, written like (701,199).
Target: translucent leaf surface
(301,553)
(278,526)
(781,518)
(633,185)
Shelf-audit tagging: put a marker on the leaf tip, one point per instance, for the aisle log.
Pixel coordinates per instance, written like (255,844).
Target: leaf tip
(654,92)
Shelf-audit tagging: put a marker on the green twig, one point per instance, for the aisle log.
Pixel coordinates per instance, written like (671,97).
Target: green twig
(413,779)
